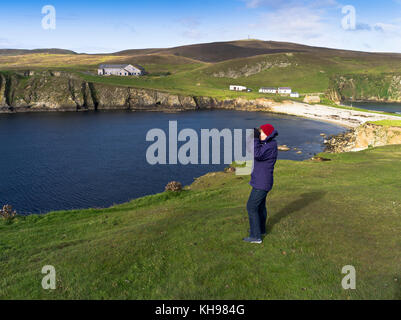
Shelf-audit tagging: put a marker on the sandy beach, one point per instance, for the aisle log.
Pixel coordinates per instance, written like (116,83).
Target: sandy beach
(343,117)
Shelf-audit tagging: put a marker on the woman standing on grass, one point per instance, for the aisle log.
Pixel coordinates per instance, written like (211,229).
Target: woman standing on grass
(265,157)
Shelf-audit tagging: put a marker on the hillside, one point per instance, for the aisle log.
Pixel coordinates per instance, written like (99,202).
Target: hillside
(12,52)
(305,72)
(217,52)
(222,51)
(322,216)
(208,69)
(384,87)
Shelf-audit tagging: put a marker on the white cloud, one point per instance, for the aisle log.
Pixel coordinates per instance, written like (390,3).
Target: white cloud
(258,3)
(191,27)
(193,34)
(290,3)
(387,27)
(190,22)
(294,23)
(125,27)
(318,23)
(6,43)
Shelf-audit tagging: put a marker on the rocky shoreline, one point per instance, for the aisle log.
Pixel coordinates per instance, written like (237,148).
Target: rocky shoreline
(50,91)
(66,92)
(366,136)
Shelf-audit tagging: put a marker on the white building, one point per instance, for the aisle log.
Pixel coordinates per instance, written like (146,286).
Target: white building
(268,90)
(284,90)
(120,70)
(238,88)
(294,95)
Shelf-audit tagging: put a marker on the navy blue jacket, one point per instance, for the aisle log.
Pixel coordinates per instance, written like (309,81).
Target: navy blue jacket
(265,157)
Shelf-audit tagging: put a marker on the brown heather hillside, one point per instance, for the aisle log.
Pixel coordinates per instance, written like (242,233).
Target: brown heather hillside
(222,51)
(12,52)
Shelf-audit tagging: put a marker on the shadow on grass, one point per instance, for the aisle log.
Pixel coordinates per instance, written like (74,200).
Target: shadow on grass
(294,206)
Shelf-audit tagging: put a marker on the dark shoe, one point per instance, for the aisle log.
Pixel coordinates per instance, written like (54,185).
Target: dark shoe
(252,240)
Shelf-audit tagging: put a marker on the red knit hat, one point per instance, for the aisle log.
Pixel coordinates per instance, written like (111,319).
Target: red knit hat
(267,129)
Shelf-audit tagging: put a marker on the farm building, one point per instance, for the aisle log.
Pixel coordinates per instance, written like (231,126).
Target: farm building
(284,90)
(238,88)
(294,95)
(268,90)
(120,70)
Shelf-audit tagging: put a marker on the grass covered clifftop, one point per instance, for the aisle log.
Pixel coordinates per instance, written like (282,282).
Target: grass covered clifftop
(322,216)
(384,87)
(208,69)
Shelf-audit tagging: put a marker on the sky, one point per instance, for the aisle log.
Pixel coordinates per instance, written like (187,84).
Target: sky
(108,26)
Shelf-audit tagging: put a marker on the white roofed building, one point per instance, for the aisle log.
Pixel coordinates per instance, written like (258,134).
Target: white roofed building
(284,90)
(238,88)
(268,90)
(120,70)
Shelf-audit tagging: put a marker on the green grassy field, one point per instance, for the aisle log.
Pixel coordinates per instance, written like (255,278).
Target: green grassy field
(322,216)
(209,69)
(388,123)
(305,72)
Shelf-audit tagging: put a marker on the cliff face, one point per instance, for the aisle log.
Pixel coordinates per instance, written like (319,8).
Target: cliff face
(251,69)
(58,91)
(363,137)
(365,87)
(61,91)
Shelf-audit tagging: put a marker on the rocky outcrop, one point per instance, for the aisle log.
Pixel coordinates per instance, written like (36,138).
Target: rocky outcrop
(252,66)
(334,95)
(311,99)
(365,87)
(3,101)
(62,91)
(44,91)
(363,137)
(250,70)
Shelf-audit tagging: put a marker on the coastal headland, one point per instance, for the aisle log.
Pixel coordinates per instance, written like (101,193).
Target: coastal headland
(334,210)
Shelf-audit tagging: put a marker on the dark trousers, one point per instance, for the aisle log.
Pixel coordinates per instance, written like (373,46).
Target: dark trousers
(257,212)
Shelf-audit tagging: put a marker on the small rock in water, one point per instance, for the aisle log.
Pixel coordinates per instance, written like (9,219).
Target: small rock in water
(299,152)
(323,134)
(283,148)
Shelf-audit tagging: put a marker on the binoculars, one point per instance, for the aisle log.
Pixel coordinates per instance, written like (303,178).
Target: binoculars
(256,133)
